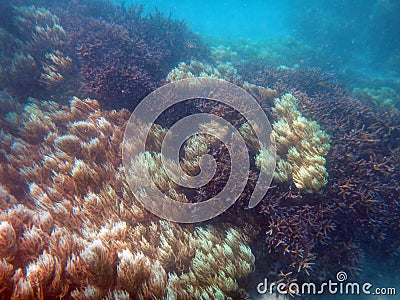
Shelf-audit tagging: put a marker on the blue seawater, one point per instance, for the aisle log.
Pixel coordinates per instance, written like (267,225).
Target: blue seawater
(358,40)
(252,20)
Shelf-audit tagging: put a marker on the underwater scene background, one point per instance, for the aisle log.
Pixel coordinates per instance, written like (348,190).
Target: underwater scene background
(326,74)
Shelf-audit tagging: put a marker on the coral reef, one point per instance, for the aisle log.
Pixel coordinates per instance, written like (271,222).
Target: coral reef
(222,54)
(71,227)
(384,98)
(33,63)
(307,232)
(126,55)
(95,49)
(301,145)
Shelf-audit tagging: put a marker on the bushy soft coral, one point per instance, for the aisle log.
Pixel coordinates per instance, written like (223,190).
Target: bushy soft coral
(71,227)
(32,61)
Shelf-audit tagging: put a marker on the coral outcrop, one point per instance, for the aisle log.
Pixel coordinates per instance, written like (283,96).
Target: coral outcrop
(71,227)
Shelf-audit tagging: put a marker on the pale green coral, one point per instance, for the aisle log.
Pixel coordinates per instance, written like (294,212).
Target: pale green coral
(301,147)
(213,250)
(198,69)
(383,98)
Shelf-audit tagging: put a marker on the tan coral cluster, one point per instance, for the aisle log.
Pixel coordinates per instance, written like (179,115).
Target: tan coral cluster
(71,227)
(57,64)
(195,68)
(199,145)
(40,37)
(236,258)
(39,24)
(262,94)
(301,146)
(224,71)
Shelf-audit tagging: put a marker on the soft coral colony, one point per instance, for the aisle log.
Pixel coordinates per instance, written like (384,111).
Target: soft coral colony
(71,227)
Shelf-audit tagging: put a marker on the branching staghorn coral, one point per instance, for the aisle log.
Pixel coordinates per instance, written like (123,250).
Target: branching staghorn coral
(73,228)
(120,53)
(301,146)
